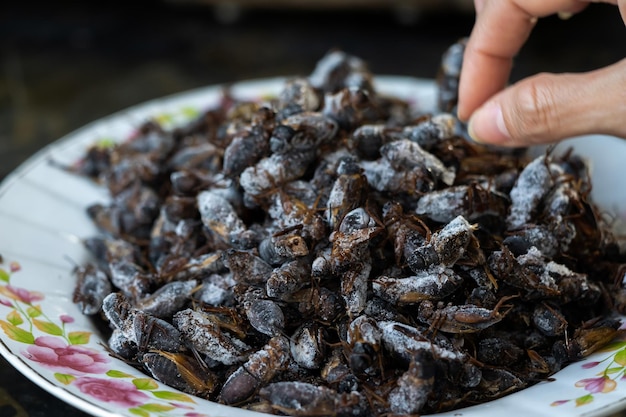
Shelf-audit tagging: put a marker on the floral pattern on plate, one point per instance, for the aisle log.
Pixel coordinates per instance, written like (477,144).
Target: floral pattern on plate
(52,343)
(605,374)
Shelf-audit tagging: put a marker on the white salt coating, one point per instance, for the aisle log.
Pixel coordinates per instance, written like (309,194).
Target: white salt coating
(124,324)
(409,396)
(208,339)
(168,299)
(268,172)
(182,157)
(281,211)
(128,328)
(480,277)
(118,341)
(330,63)
(286,210)
(380,175)
(300,91)
(559,198)
(123,275)
(219,215)
(258,364)
(451,59)
(321,265)
(354,287)
(444,205)
(558,269)
(376,307)
(356,80)
(532,257)
(266,317)
(535,258)
(334,158)
(429,132)
(541,237)
(407,154)
(531,186)
(336,199)
(296,396)
(180,227)
(357,219)
(305,350)
(314,125)
(271,359)
(451,241)
(265,363)
(446,123)
(457,226)
(552,268)
(432,283)
(366,328)
(217,290)
(334,102)
(542,322)
(403,339)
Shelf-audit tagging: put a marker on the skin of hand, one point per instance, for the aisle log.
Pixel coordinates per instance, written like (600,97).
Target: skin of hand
(543,108)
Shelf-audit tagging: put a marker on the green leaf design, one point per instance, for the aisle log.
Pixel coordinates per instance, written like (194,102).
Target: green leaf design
(48,327)
(17,334)
(612,346)
(164,118)
(139,412)
(104,143)
(15,318)
(190,112)
(585,399)
(118,374)
(156,408)
(620,357)
(4,275)
(145,384)
(64,379)
(172,396)
(79,338)
(33,311)
(613,370)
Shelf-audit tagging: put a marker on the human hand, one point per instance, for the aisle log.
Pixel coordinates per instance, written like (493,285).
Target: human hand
(543,108)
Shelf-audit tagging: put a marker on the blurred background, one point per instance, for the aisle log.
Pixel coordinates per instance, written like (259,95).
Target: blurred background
(64,64)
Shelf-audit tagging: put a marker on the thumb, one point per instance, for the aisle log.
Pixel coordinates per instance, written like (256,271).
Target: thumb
(547,107)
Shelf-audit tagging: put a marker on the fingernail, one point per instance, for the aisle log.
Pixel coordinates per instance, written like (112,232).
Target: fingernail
(487,125)
(565,15)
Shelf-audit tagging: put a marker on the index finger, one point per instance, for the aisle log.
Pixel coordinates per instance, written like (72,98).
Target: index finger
(501,29)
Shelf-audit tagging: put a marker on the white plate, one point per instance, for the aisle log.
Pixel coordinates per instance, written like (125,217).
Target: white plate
(43,334)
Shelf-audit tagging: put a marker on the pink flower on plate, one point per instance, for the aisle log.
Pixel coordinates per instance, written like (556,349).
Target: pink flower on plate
(54,353)
(590,365)
(115,391)
(66,319)
(6,302)
(14,266)
(602,384)
(21,294)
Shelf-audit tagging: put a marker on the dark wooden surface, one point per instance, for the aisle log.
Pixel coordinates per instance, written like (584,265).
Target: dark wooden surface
(64,65)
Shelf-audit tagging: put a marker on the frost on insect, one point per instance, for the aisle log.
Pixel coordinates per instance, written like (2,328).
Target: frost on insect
(336,250)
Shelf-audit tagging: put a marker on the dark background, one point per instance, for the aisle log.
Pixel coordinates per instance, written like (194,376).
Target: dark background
(64,64)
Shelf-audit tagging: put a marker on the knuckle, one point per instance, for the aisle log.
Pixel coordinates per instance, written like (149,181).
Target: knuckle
(535,112)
